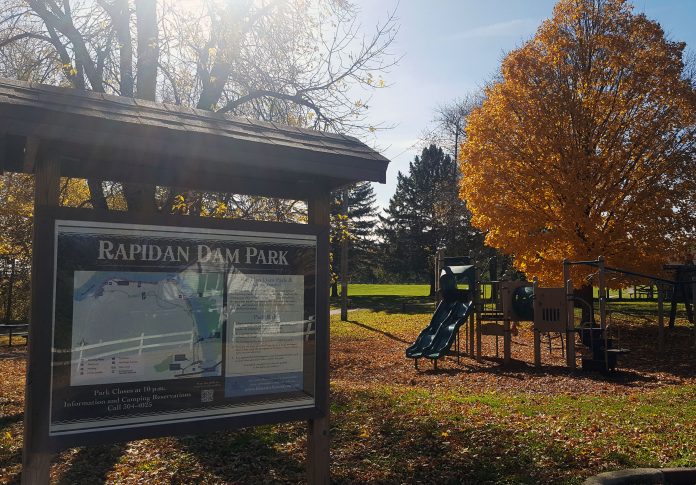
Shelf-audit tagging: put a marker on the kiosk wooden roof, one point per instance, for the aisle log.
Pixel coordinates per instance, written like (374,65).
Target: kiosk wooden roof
(130,140)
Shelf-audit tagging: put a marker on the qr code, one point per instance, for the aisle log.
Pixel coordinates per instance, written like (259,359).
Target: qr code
(207,395)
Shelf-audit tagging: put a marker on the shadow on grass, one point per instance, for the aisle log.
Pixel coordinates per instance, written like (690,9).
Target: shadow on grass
(11,460)
(381,332)
(521,370)
(379,439)
(410,305)
(247,455)
(407,444)
(92,464)
(10,419)
(676,359)
(647,310)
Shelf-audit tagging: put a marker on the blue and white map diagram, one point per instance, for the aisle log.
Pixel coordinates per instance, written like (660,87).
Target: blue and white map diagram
(145,326)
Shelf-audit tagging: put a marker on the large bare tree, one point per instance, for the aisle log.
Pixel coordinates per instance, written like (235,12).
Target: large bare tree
(448,128)
(290,61)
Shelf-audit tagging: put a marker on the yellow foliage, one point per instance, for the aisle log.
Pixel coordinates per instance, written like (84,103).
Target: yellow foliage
(584,146)
(115,200)
(16,215)
(74,193)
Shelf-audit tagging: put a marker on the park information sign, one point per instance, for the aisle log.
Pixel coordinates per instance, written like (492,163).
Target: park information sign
(159,325)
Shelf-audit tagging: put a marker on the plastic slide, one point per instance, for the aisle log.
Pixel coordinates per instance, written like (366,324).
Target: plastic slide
(425,338)
(447,332)
(436,339)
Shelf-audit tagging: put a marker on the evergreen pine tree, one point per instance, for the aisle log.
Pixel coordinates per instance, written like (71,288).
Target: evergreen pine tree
(426,214)
(360,222)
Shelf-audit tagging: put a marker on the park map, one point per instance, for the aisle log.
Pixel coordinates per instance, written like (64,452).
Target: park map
(145,326)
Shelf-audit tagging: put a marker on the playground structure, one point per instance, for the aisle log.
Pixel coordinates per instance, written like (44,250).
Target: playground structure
(509,303)
(498,312)
(602,338)
(683,288)
(512,302)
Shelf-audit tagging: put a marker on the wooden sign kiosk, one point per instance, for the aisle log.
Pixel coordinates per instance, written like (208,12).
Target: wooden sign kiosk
(83,255)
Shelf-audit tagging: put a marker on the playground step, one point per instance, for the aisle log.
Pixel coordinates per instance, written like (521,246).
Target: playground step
(618,351)
(598,365)
(489,317)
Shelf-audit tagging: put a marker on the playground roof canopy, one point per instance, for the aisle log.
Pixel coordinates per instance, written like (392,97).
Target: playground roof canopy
(96,135)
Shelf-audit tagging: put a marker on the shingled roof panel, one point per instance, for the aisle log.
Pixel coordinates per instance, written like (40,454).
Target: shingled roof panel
(66,112)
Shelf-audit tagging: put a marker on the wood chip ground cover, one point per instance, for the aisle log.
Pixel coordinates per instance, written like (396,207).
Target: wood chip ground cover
(471,421)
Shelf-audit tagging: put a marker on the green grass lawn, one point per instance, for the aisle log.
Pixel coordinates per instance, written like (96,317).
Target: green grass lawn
(388,290)
(389,298)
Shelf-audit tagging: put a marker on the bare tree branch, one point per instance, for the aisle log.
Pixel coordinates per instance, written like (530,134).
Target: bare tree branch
(59,21)
(24,35)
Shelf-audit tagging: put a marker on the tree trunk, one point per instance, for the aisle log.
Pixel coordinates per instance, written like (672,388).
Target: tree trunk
(344,258)
(97,194)
(148,48)
(141,197)
(120,14)
(334,289)
(344,280)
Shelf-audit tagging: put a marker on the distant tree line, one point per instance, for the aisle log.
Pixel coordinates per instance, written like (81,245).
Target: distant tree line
(424,215)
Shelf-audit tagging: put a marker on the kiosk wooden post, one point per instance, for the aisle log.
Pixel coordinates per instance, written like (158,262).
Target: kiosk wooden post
(318,444)
(36,463)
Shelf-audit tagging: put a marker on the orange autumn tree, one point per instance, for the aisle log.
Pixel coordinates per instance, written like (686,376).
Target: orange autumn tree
(585,145)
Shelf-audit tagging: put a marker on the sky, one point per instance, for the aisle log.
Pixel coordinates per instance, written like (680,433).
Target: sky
(451,48)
